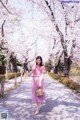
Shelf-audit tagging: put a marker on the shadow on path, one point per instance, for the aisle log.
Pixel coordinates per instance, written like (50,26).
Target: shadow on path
(61,103)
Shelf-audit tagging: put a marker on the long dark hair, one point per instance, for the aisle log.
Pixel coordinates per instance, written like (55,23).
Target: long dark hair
(39,57)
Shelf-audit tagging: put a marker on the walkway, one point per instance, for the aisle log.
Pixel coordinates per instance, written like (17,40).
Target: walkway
(61,103)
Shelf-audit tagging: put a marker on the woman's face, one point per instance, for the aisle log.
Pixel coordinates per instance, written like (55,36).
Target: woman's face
(38,61)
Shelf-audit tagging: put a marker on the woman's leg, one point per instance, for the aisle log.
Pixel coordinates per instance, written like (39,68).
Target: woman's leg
(38,108)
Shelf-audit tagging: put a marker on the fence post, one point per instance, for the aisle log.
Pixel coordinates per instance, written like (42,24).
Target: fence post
(21,76)
(15,84)
(22,72)
(2,86)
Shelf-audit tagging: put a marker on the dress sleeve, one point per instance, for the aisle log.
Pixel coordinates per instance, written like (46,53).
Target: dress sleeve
(43,69)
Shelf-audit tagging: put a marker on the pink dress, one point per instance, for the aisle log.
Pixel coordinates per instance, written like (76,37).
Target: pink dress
(35,83)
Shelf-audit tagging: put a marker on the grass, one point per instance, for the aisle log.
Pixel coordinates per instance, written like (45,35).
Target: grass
(75,72)
(10,75)
(66,81)
(3,96)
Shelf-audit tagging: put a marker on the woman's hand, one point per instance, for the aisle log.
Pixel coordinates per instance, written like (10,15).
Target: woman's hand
(34,66)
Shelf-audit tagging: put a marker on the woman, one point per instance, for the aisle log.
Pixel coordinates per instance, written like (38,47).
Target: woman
(38,81)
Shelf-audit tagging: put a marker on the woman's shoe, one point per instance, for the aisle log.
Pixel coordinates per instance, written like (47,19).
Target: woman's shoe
(37,112)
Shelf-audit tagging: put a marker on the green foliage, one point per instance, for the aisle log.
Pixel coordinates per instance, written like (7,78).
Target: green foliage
(61,67)
(2,76)
(48,65)
(55,76)
(66,81)
(19,63)
(2,57)
(75,72)
(3,96)
(10,75)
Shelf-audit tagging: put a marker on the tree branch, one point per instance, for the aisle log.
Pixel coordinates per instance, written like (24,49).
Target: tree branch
(2,29)
(6,1)
(57,28)
(5,7)
(31,60)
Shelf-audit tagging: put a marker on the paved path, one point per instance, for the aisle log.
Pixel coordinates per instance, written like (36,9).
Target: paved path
(10,83)
(61,103)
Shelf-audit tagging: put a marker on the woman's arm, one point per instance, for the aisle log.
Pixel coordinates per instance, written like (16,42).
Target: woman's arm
(40,79)
(42,75)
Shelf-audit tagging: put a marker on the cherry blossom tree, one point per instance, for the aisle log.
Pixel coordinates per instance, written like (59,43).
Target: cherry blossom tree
(54,21)
(66,23)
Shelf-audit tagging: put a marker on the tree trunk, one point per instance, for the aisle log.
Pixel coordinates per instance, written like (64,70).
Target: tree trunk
(13,61)
(67,65)
(56,67)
